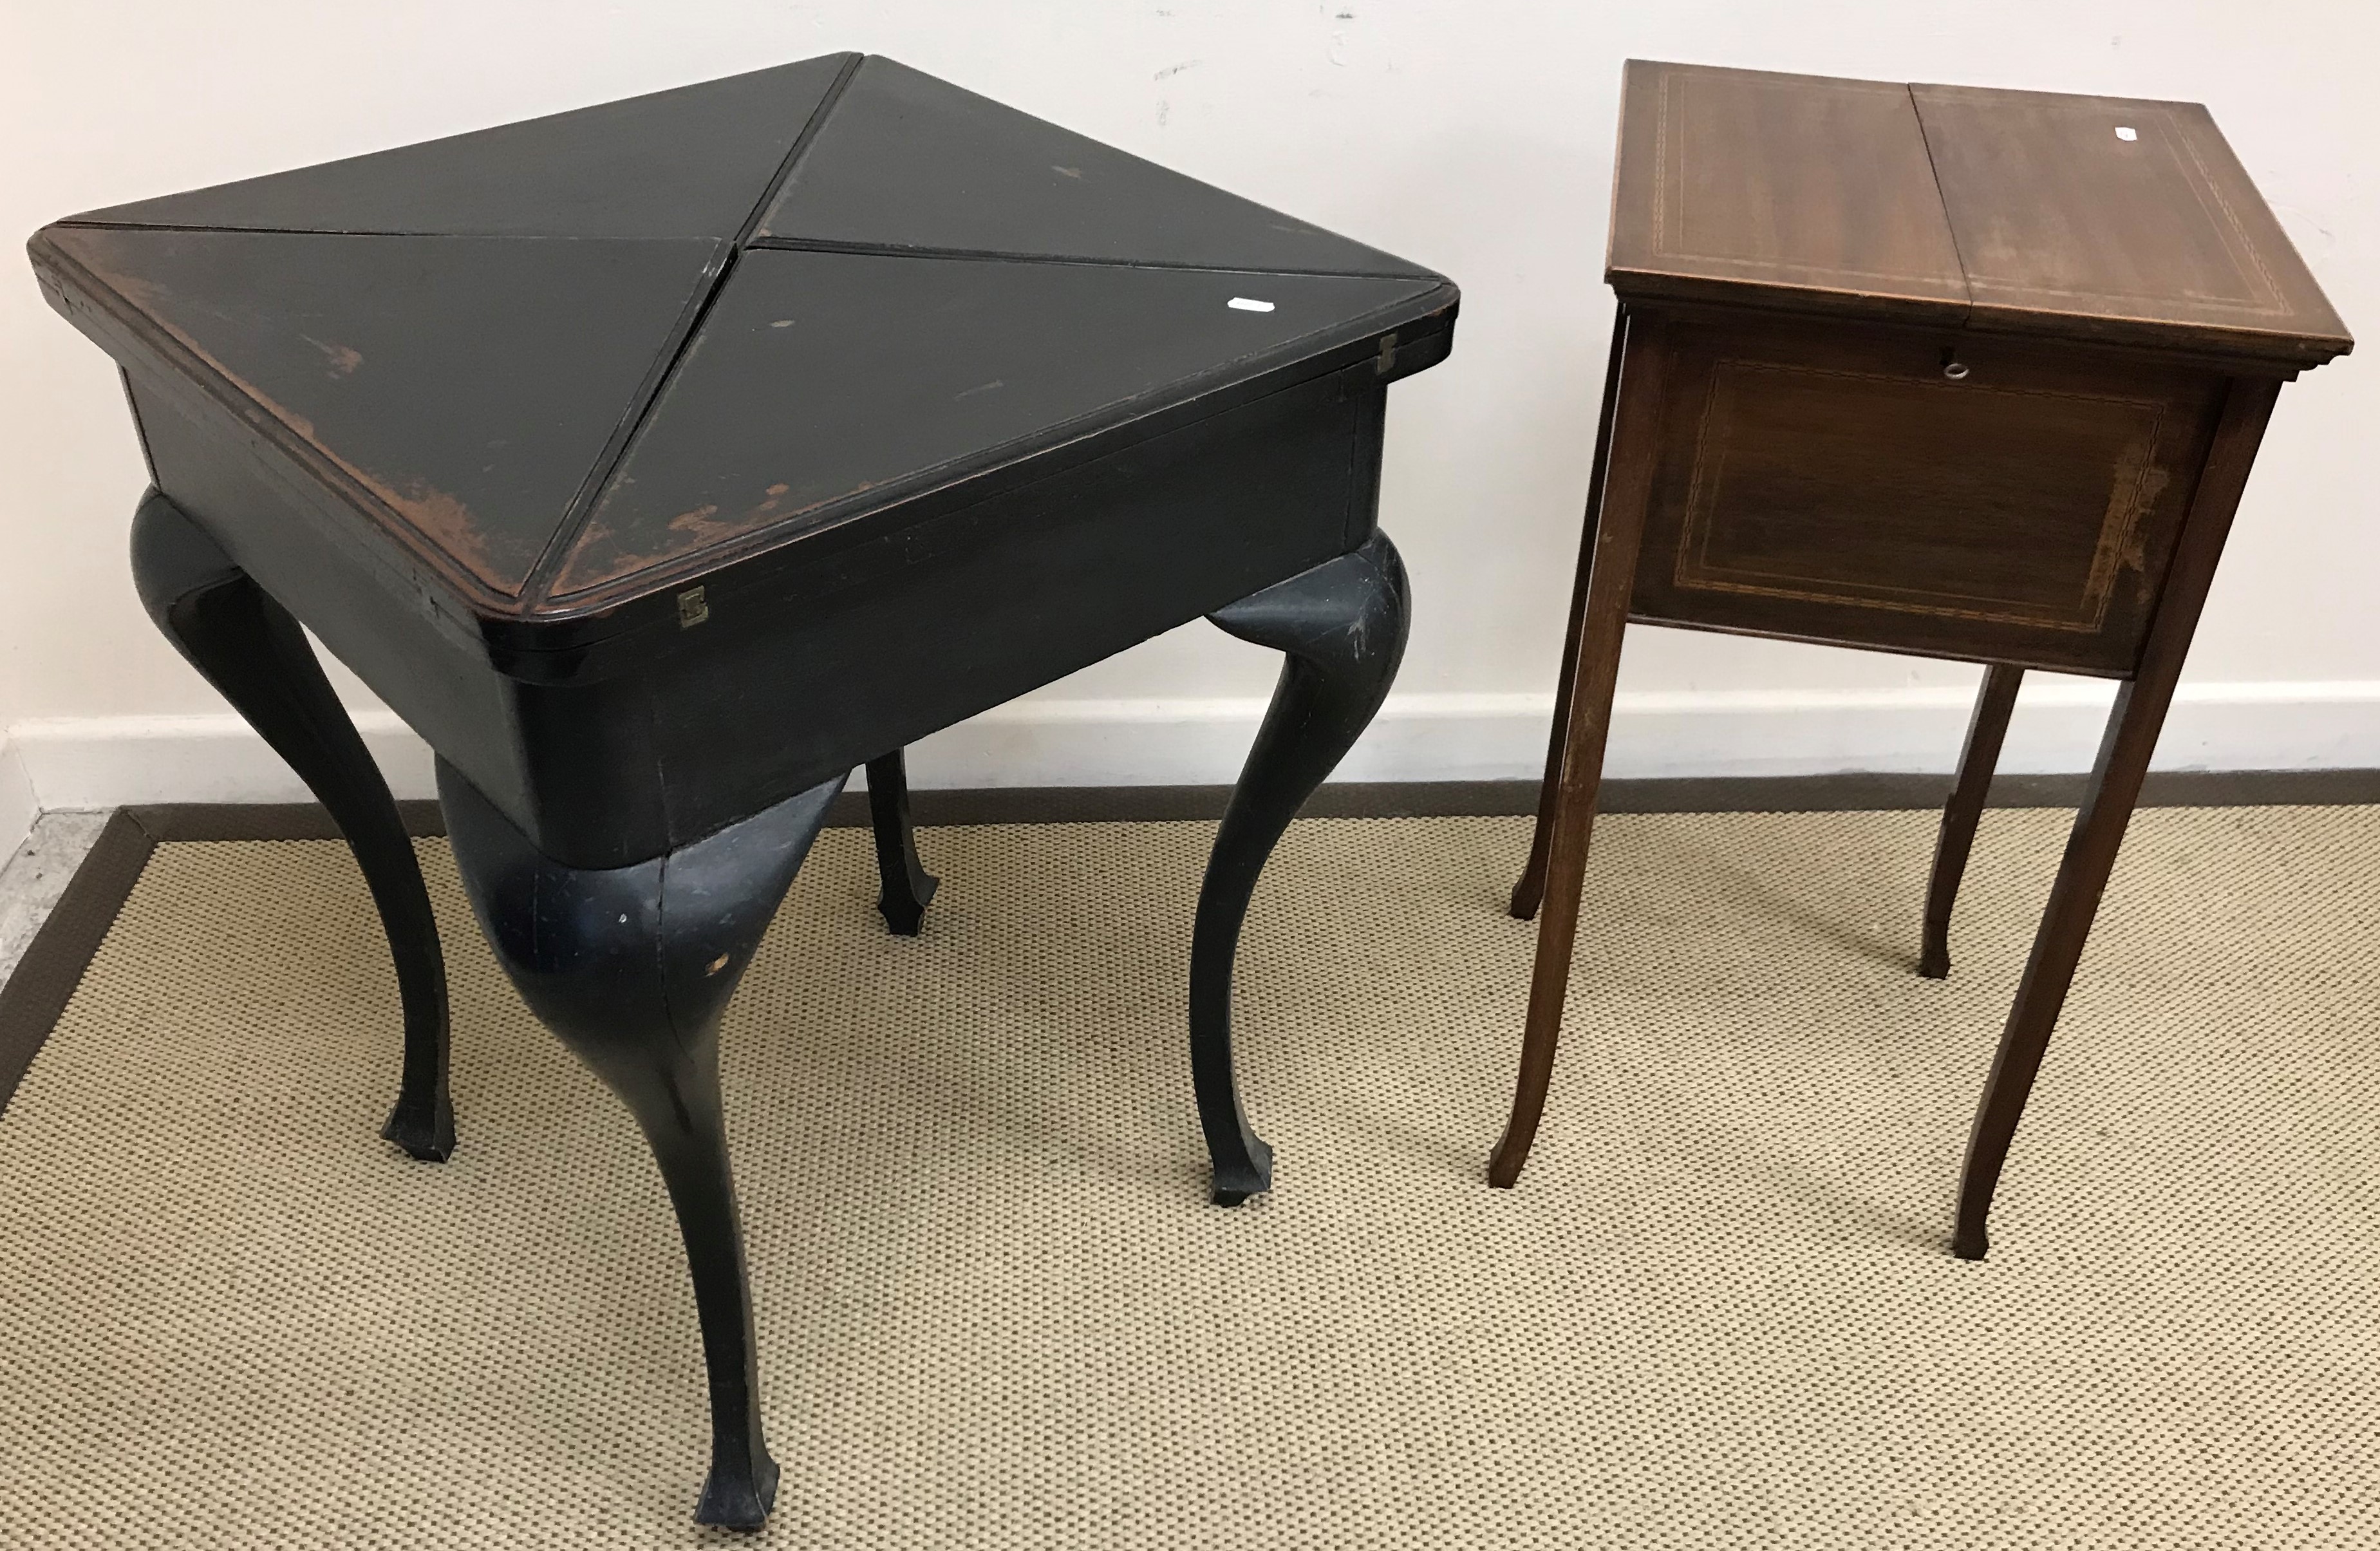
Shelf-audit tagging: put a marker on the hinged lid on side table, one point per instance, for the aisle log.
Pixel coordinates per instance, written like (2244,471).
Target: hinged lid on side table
(2122,219)
(2021,211)
(1775,191)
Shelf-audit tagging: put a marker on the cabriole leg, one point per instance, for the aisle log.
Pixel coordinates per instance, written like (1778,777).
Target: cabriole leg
(632,968)
(907,886)
(1343,627)
(251,650)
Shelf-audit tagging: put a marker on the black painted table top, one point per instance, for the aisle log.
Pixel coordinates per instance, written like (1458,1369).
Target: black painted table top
(562,370)
(658,460)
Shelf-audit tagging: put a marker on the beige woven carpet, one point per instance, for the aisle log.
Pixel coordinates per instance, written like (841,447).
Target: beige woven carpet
(995,1312)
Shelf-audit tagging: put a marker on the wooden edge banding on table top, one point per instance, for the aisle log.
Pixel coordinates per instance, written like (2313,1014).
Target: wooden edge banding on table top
(37,992)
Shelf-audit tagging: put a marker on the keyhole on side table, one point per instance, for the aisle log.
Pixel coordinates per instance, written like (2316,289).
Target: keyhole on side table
(1952,366)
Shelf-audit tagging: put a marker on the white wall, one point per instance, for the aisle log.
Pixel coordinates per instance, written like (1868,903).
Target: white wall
(1473,135)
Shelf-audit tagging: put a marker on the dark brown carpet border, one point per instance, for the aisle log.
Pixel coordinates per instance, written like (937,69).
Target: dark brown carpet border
(1851,792)
(54,962)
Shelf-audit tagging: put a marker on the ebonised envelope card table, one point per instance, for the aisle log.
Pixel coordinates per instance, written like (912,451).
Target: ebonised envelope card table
(1966,373)
(662,461)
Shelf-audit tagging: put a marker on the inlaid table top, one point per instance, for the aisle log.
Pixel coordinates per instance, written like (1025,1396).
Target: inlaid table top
(836,296)
(2024,213)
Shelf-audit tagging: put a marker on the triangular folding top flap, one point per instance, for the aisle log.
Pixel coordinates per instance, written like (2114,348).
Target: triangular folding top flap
(692,162)
(905,161)
(471,385)
(819,378)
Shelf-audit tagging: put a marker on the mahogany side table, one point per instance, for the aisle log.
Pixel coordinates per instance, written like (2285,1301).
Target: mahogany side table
(1964,373)
(662,461)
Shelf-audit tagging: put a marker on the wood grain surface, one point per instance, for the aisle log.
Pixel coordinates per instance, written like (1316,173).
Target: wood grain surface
(1802,190)
(2067,225)
(2068,217)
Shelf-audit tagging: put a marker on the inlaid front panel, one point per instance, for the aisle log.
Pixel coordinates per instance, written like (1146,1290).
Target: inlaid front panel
(1919,489)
